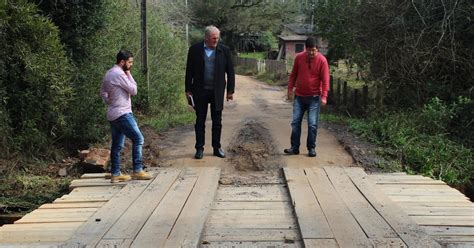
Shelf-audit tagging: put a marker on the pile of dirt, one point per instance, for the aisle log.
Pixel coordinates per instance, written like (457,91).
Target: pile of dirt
(253,149)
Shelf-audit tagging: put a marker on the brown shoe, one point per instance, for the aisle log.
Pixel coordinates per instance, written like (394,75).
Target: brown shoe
(120,178)
(141,176)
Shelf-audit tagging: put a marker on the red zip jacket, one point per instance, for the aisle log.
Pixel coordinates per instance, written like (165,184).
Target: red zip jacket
(310,77)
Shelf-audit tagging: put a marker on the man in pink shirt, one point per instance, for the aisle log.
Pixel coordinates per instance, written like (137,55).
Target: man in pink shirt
(117,88)
(310,77)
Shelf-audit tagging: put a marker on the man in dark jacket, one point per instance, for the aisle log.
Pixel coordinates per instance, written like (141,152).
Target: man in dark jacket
(207,65)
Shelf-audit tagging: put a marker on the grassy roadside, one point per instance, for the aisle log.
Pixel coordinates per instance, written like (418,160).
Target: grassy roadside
(407,144)
(26,184)
(167,120)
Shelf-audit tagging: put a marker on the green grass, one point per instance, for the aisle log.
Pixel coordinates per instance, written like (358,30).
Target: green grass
(256,55)
(164,121)
(26,190)
(405,140)
(343,72)
(272,79)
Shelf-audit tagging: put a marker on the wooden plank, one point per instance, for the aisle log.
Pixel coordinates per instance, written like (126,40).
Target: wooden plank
(251,244)
(389,243)
(368,218)
(418,188)
(112,189)
(95,175)
(407,229)
(383,177)
(257,219)
(72,205)
(31,245)
(346,230)
(245,205)
(115,243)
(188,228)
(452,239)
(133,219)
(460,245)
(449,230)
(54,219)
(261,223)
(273,192)
(42,226)
(36,233)
(37,236)
(421,191)
(91,232)
(64,211)
(86,198)
(159,225)
(94,182)
(444,220)
(260,213)
(435,204)
(79,200)
(249,234)
(321,243)
(424,198)
(441,211)
(412,182)
(311,219)
(427,187)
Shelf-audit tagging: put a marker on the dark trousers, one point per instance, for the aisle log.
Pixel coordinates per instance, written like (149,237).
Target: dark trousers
(201,105)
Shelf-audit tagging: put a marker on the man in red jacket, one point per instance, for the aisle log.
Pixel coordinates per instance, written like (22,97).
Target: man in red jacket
(310,77)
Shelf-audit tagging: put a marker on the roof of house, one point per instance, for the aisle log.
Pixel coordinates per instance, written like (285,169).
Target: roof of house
(300,29)
(293,37)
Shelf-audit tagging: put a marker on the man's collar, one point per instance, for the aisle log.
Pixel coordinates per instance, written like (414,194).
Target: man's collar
(205,46)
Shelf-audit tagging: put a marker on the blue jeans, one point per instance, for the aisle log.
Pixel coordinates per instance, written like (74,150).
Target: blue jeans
(126,126)
(300,106)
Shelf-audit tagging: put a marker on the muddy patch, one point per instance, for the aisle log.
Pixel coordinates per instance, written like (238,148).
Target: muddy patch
(364,153)
(252,149)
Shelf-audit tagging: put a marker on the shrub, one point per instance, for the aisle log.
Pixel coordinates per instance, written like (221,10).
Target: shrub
(411,138)
(34,84)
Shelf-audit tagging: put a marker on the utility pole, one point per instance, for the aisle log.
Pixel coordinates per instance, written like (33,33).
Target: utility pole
(144,50)
(187,26)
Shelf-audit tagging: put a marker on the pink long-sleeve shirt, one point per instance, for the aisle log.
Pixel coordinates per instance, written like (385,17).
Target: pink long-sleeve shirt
(116,91)
(310,76)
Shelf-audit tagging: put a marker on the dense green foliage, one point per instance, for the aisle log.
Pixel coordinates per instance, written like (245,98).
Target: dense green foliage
(418,56)
(416,49)
(50,91)
(34,80)
(245,25)
(53,59)
(24,191)
(420,140)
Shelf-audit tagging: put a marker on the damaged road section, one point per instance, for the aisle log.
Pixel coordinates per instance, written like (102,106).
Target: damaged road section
(252,149)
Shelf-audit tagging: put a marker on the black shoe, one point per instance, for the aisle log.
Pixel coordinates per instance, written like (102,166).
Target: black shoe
(312,152)
(199,153)
(219,152)
(291,151)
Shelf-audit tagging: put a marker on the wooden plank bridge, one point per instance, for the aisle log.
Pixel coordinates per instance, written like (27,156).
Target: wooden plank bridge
(313,207)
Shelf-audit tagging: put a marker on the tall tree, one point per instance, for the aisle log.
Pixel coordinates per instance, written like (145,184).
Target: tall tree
(246,18)
(419,49)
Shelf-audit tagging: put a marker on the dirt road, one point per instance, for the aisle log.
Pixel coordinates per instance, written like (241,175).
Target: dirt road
(256,129)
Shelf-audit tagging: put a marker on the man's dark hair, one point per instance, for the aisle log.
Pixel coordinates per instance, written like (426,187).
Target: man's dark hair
(311,42)
(123,55)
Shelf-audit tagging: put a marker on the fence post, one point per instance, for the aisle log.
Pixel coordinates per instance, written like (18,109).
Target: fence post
(344,93)
(356,100)
(331,90)
(365,96)
(338,92)
(379,96)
